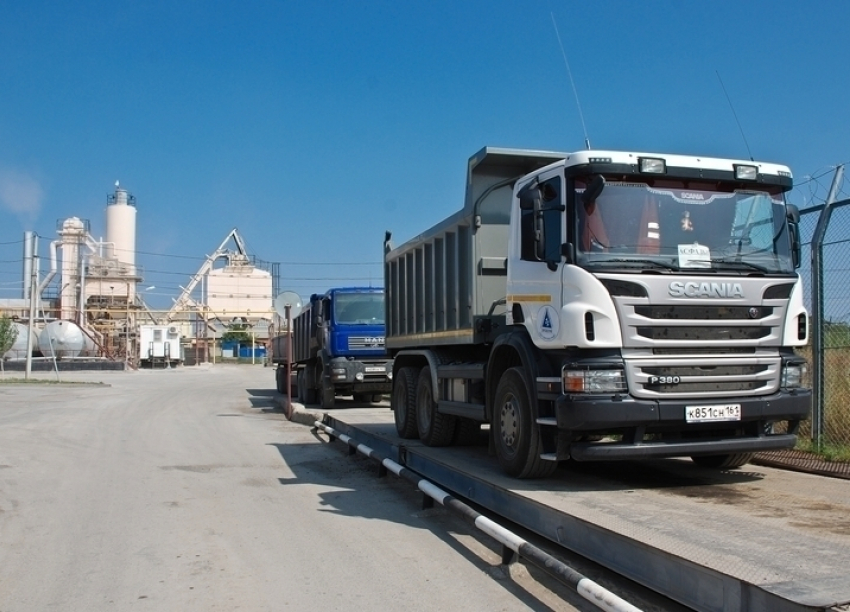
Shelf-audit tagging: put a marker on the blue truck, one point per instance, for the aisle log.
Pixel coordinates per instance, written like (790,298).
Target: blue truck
(338,347)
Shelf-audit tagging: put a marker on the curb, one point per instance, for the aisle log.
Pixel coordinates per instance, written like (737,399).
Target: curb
(299,413)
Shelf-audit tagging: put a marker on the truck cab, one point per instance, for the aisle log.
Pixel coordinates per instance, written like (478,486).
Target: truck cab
(603,305)
(339,343)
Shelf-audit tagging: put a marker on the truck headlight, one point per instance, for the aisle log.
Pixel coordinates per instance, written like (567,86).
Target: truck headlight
(594,381)
(793,374)
(359,376)
(338,373)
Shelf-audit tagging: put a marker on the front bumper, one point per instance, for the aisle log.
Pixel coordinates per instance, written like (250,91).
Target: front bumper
(358,376)
(584,415)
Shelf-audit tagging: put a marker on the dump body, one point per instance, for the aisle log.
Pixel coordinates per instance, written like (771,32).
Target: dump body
(338,346)
(603,305)
(441,284)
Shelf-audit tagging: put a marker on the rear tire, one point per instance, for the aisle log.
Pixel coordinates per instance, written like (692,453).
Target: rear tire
(435,429)
(727,462)
(467,432)
(403,403)
(327,393)
(299,383)
(279,374)
(515,434)
(308,380)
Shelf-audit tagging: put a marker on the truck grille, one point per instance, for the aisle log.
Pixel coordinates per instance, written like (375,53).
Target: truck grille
(365,342)
(667,326)
(703,333)
(688,378)
(707,313)
(700,351)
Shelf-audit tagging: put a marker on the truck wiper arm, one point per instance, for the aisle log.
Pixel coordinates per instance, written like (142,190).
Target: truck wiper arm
(641,262)
(739,263)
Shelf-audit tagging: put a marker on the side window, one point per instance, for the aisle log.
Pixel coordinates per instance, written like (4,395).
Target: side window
(540,230)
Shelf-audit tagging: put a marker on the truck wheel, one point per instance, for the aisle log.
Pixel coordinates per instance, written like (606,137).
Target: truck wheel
(308,384)
(516,435)
(278,379)
(467,432)
(299,384)
(403,403)
(328,395)
(729,462)
(435,429)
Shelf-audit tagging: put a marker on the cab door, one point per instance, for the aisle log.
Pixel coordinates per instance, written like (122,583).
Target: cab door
(534,277)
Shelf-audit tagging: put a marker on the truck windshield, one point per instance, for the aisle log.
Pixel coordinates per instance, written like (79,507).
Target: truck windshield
(359,308)
(683,225)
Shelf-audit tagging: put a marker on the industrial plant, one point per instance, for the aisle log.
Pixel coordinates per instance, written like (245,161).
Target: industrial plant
(86,309)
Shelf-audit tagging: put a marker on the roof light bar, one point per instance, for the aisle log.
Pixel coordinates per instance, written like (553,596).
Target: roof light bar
(746,173)
(652,165)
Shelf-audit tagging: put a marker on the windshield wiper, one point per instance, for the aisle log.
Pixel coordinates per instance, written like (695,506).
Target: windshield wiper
(741,264)
(641,262)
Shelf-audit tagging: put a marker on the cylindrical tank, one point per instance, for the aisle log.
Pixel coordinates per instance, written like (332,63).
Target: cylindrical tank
(61,339)
(121,227)
(19,348)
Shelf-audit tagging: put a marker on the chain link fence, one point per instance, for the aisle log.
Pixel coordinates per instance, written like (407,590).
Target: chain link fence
(825,271)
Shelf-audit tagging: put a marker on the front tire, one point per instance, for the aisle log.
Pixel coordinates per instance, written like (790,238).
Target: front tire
(727,462)
(516,435)
(403,403)
(435,429)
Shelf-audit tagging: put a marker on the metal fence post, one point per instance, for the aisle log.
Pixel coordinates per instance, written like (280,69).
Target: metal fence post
(818,311)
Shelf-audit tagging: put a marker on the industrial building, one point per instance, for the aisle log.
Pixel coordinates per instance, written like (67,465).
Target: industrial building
(87,307)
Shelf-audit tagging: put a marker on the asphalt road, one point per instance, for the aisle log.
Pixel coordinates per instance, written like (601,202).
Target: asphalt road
(187,489)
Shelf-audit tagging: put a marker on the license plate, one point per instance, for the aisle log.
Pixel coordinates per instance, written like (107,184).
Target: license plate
(375,369)
(706,414)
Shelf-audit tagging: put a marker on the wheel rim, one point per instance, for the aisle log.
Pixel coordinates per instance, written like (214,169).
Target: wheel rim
(508,422)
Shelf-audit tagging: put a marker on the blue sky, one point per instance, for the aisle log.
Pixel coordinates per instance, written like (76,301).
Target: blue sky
(312,127)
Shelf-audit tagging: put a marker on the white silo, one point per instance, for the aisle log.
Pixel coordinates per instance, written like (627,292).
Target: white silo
(121,226)
(71,236)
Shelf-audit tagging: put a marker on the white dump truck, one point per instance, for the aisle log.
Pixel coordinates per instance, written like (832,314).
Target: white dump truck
(603,305)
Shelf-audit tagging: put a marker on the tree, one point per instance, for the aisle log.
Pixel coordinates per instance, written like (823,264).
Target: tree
(8,335)
(236,332)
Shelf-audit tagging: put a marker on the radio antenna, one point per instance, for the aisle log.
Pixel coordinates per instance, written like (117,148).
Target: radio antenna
(570,73)
(734,114)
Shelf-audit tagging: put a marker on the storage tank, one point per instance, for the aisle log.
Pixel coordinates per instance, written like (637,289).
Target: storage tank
(19,348)
(121,226)
(66,338)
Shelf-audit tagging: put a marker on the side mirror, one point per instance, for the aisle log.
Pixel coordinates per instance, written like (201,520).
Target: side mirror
(792,214)
(530,196)
(593,190)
